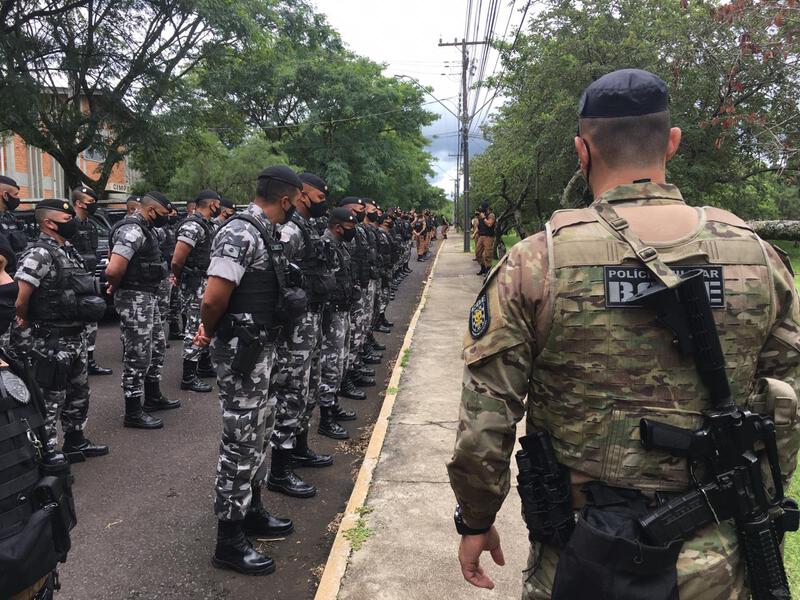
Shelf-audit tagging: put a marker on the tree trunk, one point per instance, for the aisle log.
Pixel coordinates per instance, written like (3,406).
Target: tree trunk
(777,230)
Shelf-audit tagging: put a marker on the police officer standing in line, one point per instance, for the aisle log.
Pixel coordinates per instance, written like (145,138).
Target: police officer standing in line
(336,326)
(385,254)
(295,379)
(484,245)
(189,265)
(419,232)
(135,273)
(227,210)
(9,225)
(84,201)
(550,337)
(166,242)
(246,282)
(370,353)
(57,298)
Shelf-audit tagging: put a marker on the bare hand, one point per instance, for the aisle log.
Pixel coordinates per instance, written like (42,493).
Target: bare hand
(173,281)
(469,553)
(200,338)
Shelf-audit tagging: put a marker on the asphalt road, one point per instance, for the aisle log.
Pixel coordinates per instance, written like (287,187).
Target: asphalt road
(146,528)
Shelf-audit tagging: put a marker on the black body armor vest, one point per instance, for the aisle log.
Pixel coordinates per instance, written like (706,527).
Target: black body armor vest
(316,263)
(12,228)
(146,270)
(200,256)
(484,229)
(85,242)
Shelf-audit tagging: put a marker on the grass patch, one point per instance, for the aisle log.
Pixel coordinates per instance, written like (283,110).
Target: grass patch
(404,358)
(793,250)
(393,390)
(360,533)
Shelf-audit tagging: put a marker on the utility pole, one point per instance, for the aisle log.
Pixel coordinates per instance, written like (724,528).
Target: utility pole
(465,122)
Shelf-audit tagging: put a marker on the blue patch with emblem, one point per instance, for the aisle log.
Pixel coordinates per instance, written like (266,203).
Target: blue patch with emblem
(479,317)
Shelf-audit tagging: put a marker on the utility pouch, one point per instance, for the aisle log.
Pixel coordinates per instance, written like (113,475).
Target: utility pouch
(28,554)
(292,304)
(51,371)
(605,558)
(56,492)
(249,346)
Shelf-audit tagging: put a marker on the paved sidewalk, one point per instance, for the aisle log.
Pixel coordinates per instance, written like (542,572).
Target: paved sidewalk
(411,554)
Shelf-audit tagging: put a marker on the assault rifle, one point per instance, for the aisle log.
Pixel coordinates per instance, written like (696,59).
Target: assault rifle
(722,455)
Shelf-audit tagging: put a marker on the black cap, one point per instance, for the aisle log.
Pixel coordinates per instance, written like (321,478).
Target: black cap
(8,181)
(56,204)
(226,202)
(342,215)
(7,252)
(134,198)
(314,181)
(351,200)
(207,195)
(85,190)
(160,198)
(282,173)
(624,93)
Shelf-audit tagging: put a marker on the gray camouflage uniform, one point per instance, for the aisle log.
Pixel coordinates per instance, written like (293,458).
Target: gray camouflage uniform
(192,233)
(361,311)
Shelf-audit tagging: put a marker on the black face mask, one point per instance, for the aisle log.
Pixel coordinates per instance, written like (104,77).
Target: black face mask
(348,234)
(91,208)
(317,209)
(215,211)
(373,217)
(8,299)
(360,217)
(160,220)
(173,219)
(68,229)
(11,202)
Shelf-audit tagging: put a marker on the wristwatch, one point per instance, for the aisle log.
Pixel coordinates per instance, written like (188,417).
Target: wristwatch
(463,529)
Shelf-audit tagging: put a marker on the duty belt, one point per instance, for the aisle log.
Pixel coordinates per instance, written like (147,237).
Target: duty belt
(47,329)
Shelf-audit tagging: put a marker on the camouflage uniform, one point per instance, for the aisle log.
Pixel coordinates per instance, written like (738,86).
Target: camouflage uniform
(363,312)
(546,340)
(248,410)
(140,318)
(13,229)
(46,344)
(166,241)
(193,284)
(85,242)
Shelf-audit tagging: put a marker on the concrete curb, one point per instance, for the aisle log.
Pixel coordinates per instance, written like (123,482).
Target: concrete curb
(335,567)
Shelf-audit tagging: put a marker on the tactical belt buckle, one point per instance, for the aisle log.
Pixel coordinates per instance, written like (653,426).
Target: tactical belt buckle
(647,254)
(618,224)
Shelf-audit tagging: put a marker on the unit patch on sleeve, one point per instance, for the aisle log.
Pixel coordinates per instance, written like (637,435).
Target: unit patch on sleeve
(479,317)
(623,282)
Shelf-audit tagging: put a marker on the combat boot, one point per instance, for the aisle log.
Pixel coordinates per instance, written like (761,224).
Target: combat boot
(371,359)
(365,371)
(205,368)
(340,414)
(382,319)
(154,400)
(381,328)
(175,330)
(303,456)
(94,369)
(189,381)
(374,343)
(328,425)
(75,443)
(362,381)
(348,388)
(135,417)
(258,521)
(234,551)
(283,480)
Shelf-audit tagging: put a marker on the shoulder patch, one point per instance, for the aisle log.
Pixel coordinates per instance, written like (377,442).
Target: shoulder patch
(479,317)
(232,251)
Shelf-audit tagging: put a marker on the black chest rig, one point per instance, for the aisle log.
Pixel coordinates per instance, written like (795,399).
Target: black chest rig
(146,270)
(12,228)
(317,263)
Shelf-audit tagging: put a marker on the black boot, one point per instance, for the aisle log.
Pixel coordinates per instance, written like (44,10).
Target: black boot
(374,343)
(328,425)
(94,369)
(135,417)
(365,371)
(204,366)
(282,479)
(340,414)
(154,400)
(382,319)
(371,359)
(348,389)
(234,551)
(190,381)
(76,443)
(303,456)
(258,521)
(381,328)
(175,330)
(362,381)
(483,271)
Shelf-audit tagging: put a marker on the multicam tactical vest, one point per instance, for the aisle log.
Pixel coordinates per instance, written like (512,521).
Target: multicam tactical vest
(603,366)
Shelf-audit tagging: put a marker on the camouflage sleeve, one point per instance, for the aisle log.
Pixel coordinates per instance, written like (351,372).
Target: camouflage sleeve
(292,240)
(34,266)
(190,233)
(128,239)
(233,251)
(780,359)
(499,349)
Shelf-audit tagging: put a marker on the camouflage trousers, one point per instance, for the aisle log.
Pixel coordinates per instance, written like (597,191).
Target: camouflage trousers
(382,295)
(295,379)
(91,336)
(143,342)
(248,416)
(164,294)
(68,402)
(361,316)
(709,568)
(191,295)
(335,348)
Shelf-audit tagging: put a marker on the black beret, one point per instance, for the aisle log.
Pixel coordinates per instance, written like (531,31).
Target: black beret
(624,93)
(134,198)
(314,181)
(160,198)
(86,190)
(226,202)
(8,181)
(282,173)
(351,200)
(370,201)
(342,215)
(7,252)
(207,195)
(56,204)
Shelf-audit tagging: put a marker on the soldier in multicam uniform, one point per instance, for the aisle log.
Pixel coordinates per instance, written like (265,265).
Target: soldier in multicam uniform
(239,320)
(135,272)
(189,264)
(295,380)
(550,336)
(57,297)
(84,201)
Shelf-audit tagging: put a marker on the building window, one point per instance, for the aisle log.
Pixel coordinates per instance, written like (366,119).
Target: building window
(35,172)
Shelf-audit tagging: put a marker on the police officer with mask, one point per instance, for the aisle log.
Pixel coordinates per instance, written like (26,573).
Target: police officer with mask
(135,273)
(57,298)
(84,201)
(555,336)
(9,225)
(246,302)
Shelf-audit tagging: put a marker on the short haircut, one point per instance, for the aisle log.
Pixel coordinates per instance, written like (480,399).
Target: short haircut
(131,204)
(149,202)
(629,141)
(203,202)
(273,190)
(42,214)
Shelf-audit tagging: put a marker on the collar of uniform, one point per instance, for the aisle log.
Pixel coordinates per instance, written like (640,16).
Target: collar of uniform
(52,241)
(298,218)
(256,211)
(139,217)
(643,193)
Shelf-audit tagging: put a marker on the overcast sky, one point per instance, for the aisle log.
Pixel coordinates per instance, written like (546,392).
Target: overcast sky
(405,36)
